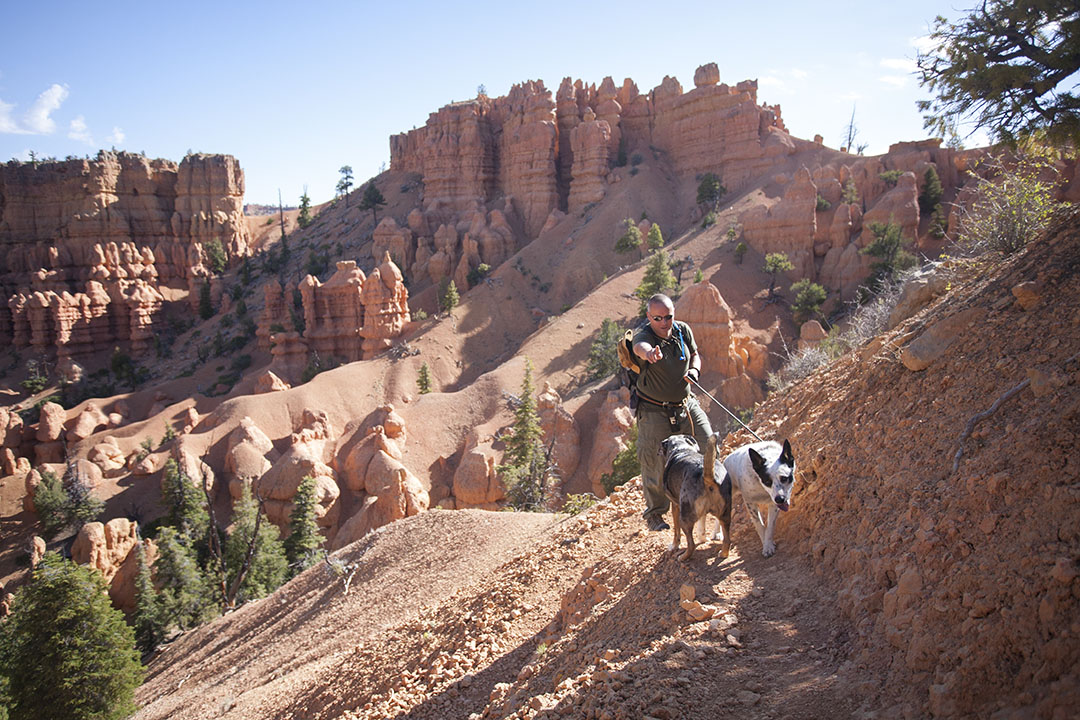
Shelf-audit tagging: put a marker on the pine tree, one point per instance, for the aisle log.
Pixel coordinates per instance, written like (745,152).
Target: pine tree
(372,199)
(148,620)
(851,194)
(603,360)
(526,469)
(269,567)
(304,537)
(185,505)
(658,277)
(888,247)
(630,240)
(932,191)
(206,303)
(777,262)
(423,381)
(65,651)
(186,598)
(63,503)
(808,299)
(215,255)
(655,238)
(304,218)
(448,297)
(710,190)
(345,183)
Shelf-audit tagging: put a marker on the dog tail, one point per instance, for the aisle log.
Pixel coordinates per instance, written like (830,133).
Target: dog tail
(710,460)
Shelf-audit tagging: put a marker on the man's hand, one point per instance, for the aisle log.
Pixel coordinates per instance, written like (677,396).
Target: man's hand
(654,355)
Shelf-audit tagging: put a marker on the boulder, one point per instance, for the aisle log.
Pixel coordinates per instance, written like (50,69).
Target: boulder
(89,421)
(937,339)
(50,422)
(559,426)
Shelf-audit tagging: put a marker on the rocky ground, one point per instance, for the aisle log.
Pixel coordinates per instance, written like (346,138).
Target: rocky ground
(901,589)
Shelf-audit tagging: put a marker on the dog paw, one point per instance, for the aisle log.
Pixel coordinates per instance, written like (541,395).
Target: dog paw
(768,550)
(685,557)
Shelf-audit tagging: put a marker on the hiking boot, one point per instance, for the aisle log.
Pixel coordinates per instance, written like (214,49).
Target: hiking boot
(656,522)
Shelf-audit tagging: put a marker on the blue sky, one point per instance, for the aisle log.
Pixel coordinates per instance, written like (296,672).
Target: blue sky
(295,90)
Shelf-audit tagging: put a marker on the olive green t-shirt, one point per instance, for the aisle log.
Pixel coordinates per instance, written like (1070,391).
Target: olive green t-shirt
(663,381)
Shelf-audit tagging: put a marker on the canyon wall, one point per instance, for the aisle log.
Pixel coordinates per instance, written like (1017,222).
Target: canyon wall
(87,244)
(545,154)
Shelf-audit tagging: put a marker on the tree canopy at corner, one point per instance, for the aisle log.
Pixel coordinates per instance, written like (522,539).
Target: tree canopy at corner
(1006,66)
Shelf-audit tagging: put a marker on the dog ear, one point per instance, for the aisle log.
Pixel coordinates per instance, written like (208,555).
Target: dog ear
(786,458)
(757,461)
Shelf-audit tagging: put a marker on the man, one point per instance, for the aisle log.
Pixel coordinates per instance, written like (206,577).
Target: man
(665,404)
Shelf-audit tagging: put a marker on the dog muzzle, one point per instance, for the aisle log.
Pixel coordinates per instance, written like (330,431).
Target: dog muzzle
(782,504)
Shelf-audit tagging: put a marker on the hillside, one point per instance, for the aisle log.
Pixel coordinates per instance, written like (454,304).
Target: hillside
(901,589)
(156,322)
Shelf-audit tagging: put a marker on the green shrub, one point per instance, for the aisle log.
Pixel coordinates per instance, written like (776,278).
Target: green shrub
(710,190)
(1010,208)
(578,503)
(603,360)
(216,257)
(809,297)
(931,192)
(822,203)
(448,296)
(891,177)
(625,466)
(740,251)
(65,651)
(709,220)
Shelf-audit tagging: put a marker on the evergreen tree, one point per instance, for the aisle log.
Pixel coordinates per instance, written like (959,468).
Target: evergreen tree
(148,620)
(850,194)
(809,297)
(655,238)
(65,651)
(776,263)
(215,255)
(448,297)
(345,183)
(64,503)
(185,504)
(630,240)
(710,190)
(304,538)
(304,218)
(526,469)
(603,360)
(423,381)
(269,567)
(206,305)
(372,199)
(931,193)
(1005,67)
(658,277)
(186,599)
(888,247)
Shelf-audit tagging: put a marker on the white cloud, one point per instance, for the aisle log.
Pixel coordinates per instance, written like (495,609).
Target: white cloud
(798,73)
(7,124)
(771,81)
(897,80)
(850,96)
(78,131)
(116,137)
(37,120)
(924,44)
(902,64)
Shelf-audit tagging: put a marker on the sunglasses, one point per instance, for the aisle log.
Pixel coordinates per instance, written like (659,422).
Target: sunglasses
(662,318)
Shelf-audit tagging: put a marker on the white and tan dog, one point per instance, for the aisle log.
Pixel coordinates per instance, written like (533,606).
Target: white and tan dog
(764,474)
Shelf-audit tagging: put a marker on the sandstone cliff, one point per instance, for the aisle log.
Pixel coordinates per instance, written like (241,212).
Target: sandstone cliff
(88,243)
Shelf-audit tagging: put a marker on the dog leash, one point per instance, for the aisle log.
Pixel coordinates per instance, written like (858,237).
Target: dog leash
(698,386)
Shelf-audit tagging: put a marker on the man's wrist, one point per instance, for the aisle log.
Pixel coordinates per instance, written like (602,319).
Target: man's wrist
(694,374)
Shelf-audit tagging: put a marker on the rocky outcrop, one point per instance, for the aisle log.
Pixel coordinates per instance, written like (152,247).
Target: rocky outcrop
(372,469)
(476,482)
(334,313)
(386,308)
(560,430)
(711,319)
(110,549)
(613,423)
(787,226)
(590,143)
(528,147)
(309,451)
(124,221)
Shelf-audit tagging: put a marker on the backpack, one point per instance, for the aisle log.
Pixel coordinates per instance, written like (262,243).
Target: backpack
(630,362)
